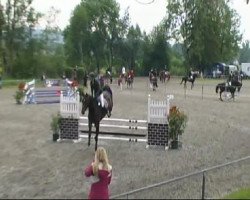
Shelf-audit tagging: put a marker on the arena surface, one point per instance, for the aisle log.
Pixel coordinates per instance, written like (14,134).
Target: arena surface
(32,166)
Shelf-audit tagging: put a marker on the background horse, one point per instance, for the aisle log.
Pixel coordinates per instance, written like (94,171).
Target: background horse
(226,87)
(164,75)
(96,112)
(153,80)
(191,80)
(129,78)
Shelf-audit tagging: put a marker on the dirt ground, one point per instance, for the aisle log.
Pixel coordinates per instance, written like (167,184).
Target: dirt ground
(33,166)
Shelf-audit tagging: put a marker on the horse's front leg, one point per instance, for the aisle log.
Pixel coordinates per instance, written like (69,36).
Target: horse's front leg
(185,84)
(90,129)
(181,81)
(96,136)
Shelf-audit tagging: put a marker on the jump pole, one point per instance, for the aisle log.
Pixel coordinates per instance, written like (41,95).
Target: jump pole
(116,133)
(115,138)
(117,126)
(120,120)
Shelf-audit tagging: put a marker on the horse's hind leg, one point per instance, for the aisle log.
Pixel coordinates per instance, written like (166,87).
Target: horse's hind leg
(181,81)
(90,127)
(96,136)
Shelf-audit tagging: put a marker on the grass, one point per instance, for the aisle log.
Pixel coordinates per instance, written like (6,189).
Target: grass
(12,83)
(240,194)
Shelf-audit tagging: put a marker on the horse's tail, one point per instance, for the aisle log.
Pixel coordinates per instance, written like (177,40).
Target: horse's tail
(217,88)
(239,88)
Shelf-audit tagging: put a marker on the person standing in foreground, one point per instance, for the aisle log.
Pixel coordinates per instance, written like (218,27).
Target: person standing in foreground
(101,172)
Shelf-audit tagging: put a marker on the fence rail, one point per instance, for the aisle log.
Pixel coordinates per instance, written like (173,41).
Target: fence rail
(126,194)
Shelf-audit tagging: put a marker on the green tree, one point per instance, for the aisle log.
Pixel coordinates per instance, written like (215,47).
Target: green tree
(209,30)
(95,29)
(20,17)
(244,54)
(156,50)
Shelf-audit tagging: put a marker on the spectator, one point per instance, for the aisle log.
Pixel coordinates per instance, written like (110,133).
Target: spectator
(101,172)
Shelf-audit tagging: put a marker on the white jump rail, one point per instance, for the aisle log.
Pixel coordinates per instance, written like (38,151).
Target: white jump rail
(120,120)
(117,126)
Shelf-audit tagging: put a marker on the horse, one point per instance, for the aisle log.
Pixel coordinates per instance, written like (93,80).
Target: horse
(129,79)
(192,80)
(153,80)
(164,75)
(96,112)
(228,87)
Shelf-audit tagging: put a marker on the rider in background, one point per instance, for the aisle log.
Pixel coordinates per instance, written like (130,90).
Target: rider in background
(131,74)
(230,78)
(190,73)
(155,75)
(109,74)
(123,72)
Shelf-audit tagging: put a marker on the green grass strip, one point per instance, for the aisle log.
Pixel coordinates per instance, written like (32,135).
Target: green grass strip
(240,194)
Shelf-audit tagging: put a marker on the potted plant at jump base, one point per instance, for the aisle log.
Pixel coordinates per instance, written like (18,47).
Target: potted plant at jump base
(19,96)
(55,126)
(20,93)
(177,124)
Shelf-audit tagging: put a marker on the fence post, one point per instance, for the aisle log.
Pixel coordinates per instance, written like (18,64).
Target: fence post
(203,186)
(202,92)
(185,91)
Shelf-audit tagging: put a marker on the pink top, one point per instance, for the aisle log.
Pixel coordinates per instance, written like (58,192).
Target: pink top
(99,189)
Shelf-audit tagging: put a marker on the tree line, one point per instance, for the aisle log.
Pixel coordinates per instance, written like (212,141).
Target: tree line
(193,33)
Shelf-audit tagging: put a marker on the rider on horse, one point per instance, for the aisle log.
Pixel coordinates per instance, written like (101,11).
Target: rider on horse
(190,73)
(97,91)
(131,74)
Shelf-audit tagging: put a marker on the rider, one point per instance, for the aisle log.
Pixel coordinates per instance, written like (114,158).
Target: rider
(97,92)
(230,78)
(190,73)
(109,74)
(131,74)
(155,75)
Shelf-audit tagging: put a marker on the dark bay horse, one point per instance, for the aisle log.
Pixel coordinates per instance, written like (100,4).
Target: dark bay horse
(129,79)
(228,87)
(96,112)
(186,79)
(164,75)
